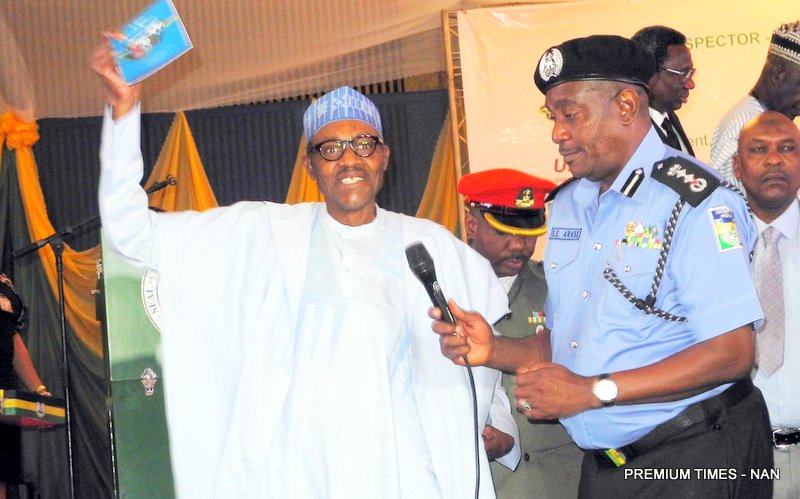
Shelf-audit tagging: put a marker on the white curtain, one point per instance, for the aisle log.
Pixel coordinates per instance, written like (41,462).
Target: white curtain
(244,50)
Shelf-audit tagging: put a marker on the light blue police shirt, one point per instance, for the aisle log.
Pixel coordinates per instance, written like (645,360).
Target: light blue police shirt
(596,330)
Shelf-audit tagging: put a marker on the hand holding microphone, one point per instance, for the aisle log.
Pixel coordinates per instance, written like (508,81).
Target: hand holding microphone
(465,337)
(454,346)
(421,264)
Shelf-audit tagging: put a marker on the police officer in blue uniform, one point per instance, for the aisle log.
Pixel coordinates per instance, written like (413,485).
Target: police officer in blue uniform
(649,332)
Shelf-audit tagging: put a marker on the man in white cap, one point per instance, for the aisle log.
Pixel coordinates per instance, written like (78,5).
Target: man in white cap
(295,338)
(777,89)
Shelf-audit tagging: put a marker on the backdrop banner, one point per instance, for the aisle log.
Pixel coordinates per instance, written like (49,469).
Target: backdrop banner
(500,46)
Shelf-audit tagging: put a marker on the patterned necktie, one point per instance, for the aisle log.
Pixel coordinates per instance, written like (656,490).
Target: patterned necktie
(769,284)
(669,131)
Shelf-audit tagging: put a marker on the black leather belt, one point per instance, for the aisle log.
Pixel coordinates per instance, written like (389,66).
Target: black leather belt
(696,413)
(784,437)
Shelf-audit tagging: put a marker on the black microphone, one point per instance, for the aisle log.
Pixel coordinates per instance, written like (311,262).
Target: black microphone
(421,264)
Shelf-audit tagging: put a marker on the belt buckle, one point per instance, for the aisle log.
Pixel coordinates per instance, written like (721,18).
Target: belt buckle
(780,432)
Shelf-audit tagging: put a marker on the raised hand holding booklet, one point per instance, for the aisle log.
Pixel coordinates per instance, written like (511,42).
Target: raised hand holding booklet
(150,41)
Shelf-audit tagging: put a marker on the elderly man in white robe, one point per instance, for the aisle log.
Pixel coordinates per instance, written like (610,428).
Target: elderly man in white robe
(296,342)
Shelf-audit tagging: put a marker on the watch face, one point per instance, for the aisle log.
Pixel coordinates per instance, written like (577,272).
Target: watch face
(605,390)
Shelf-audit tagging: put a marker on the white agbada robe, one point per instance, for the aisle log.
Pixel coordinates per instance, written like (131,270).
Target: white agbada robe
(295,367)
(351,352)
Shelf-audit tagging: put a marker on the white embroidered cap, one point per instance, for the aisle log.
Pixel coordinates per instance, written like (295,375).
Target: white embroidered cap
(343,103)
(785,42)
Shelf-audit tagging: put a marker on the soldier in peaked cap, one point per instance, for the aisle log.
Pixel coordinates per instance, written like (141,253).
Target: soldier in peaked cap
(511,201)
(329,381)
(648,342)
(505,215)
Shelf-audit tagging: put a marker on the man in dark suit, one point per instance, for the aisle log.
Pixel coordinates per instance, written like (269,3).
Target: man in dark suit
(670,85)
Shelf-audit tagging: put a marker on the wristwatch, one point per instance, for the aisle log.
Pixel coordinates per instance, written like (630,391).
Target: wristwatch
(605,389)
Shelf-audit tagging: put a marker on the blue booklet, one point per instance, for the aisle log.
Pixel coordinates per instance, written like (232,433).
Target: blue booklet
(150,41)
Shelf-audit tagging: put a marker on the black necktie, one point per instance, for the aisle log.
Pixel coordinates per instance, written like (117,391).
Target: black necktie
(671,136)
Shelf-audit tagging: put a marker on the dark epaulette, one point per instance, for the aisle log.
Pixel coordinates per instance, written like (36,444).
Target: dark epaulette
(690,180)
(552,195)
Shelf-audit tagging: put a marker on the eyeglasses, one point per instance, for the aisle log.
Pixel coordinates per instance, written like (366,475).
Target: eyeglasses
(683,76)
(362,146)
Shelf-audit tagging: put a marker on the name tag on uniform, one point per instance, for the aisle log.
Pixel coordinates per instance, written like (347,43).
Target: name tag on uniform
(565,234)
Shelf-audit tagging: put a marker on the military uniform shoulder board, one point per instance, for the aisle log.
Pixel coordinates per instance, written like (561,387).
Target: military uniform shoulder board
(691,181)
(552,195)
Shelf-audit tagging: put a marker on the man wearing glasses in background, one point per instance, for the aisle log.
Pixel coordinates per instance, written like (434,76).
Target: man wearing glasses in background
(777,89)
(296,339)
(671,84)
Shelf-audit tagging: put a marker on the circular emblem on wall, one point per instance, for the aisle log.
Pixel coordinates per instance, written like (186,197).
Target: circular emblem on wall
(551,64)
(150,297)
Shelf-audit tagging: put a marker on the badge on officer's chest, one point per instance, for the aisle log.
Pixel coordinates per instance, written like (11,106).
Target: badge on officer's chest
(536,320)
(639,235)
(724,225)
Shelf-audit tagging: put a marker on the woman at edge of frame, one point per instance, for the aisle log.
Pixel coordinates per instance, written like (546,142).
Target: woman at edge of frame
(16,371)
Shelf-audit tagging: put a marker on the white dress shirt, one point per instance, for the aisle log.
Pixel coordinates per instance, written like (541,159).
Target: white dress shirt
(658,118)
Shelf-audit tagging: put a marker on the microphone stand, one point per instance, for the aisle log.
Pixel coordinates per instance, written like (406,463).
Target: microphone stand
(56,241)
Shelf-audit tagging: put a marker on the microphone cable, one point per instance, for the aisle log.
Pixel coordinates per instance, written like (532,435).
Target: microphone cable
(475,426)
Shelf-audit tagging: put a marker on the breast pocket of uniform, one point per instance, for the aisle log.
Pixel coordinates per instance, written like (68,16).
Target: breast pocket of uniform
(636,267)
(636,270)
(561,266)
